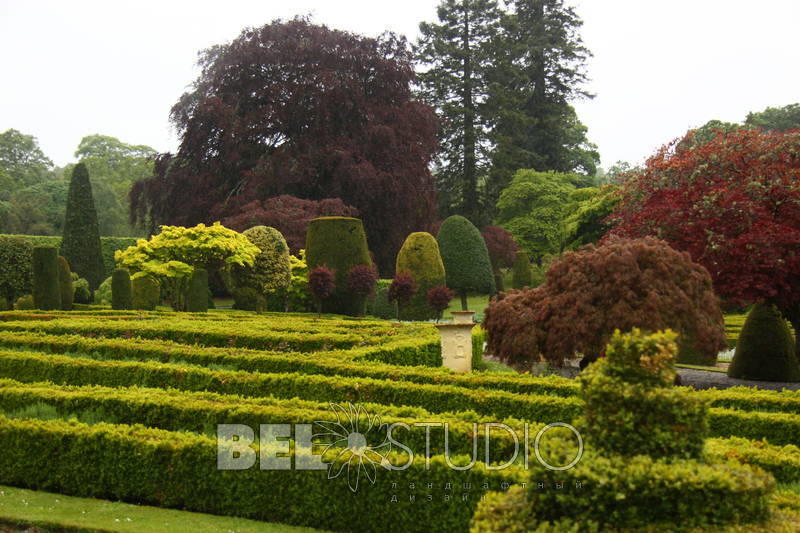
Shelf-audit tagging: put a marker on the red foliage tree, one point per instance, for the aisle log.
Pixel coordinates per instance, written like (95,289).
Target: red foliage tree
(300,109)
(623,284)
(403,287)
(439,298)
(289,215)
(362,278)
(321,283)
(732,201)
(501,245)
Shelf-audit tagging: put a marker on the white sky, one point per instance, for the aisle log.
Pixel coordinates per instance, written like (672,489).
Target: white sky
(70,69)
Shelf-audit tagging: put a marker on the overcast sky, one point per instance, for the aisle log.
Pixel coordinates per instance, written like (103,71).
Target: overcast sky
(75,68)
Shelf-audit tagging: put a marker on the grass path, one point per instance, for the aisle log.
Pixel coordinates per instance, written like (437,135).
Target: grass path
(66,513)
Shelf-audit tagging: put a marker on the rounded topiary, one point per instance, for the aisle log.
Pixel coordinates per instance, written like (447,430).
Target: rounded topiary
(339,243)
(466,260)
(145,292)
(102,296)
(420,257)
(81,242)
(197,294)
(765,350)
(24,303)
(522,274)
(121,297)
(65,284)
(16,268)
(270,272)
(46,288)
(82,294)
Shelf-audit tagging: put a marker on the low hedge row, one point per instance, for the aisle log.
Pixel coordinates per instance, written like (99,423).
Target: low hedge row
(777,428)
(325,363)
(179,470)
(200,411)
(32,367)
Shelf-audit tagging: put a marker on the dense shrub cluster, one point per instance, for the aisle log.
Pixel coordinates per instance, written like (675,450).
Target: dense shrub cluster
(588,294)
(271,271)
(16,274)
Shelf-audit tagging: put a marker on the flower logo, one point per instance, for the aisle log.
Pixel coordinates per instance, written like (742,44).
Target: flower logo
(352,436)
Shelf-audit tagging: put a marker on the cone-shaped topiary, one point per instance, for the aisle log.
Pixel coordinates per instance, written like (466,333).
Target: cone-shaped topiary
(121,297)
(339,243)
(466,260)
(65,284)
(521,271)
(81,242)
(270,272)
(197,295)
(420,257)
(146,293)
(765,350)
(46,289)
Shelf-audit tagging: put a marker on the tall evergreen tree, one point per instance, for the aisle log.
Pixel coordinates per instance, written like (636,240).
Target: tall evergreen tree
(80,245)
(459,52)
(539,71)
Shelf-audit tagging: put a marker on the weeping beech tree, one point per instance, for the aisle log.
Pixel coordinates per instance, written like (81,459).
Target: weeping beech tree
(294,108)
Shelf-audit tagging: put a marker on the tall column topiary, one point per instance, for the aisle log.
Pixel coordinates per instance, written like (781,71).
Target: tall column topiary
(466,260)
(420,257)
(81,241)
(197,295)
(121,292)
(521,271)
(339,243)
(16,265)
(765,349)
(66,288)
(46,290)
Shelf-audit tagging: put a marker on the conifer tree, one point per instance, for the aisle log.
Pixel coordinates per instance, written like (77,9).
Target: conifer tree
(80,245)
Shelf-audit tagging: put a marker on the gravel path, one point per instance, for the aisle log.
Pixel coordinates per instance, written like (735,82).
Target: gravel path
(704,379)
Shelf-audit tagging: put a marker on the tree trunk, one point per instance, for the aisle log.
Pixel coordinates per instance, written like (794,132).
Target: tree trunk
(470,192)
(464,301)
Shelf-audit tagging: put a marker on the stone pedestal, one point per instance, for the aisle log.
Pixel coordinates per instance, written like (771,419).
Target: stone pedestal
(457,342)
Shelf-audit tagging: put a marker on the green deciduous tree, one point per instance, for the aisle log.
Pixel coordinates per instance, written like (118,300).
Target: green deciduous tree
(270,272)
(172,256)
(776,118)
(80,245)
(22,162)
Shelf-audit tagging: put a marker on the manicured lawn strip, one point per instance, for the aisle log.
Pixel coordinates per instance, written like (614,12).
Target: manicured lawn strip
(701,367)
(22,507)
(179,470)
(32,367)
(325,363)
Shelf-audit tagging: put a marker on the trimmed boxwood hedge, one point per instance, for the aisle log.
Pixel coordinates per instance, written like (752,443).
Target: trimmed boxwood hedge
(46,289)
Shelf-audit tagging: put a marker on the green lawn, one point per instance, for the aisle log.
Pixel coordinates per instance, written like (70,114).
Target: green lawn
(66,513)
(477,303)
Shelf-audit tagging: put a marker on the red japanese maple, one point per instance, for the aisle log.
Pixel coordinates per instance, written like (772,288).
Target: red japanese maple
(733,203)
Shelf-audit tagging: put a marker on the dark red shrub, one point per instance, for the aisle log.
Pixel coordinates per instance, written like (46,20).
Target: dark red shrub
(362,278)
(403,287)
(501,245)
(289,215)
(321,282)
(439,298)
(623,284)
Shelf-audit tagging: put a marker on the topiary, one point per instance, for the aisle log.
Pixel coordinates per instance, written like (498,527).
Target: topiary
(16,268)
(270,272)
(46,289)
(592,292)
(102,296)
(121,297)
(81,242)
(65,284)
(765,349)
(420,257)
(339,243)
(465,257)
(24,303)
(145,293)
(82,294)
(522,271)
(197,293)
